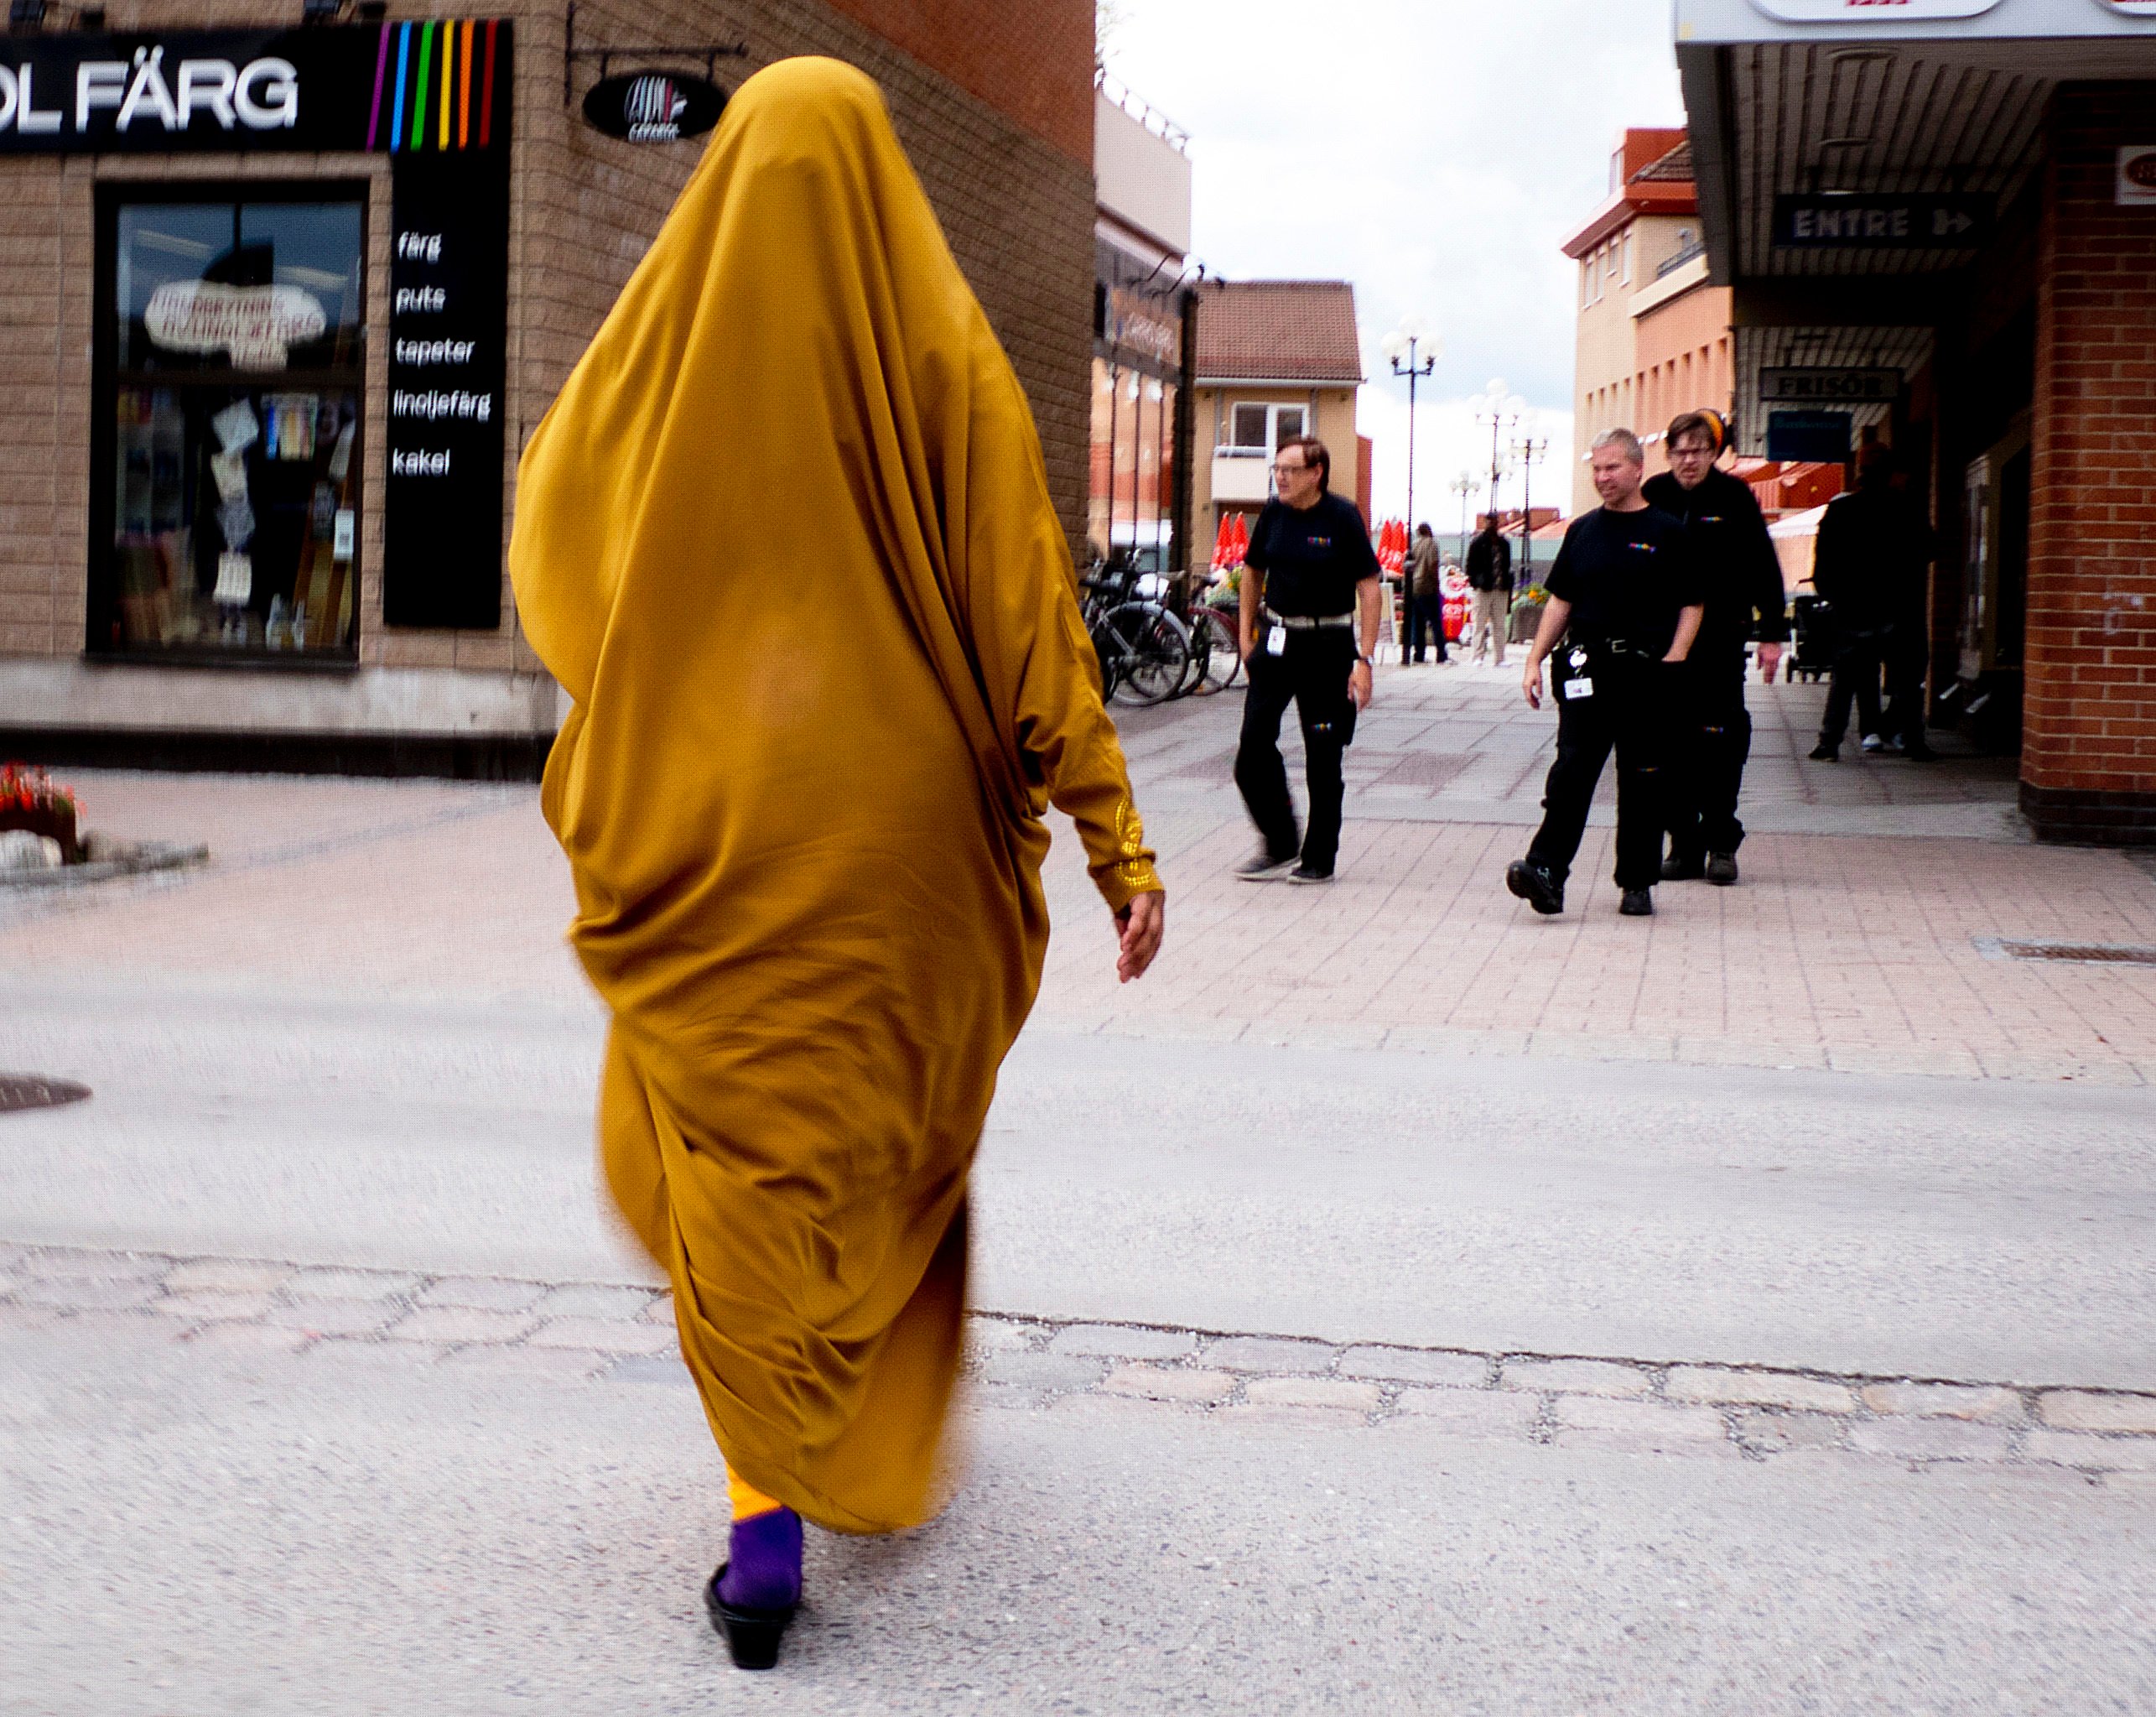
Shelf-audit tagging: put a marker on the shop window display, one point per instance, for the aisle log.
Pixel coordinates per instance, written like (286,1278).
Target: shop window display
(233,363)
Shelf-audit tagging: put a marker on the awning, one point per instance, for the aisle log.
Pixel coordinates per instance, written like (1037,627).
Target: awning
(1849,172)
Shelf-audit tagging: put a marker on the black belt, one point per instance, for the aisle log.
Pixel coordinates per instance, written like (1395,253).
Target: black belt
(1620,647)
(1310,622)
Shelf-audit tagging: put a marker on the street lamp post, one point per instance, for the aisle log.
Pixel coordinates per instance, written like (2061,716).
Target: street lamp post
(1502,412)
(1413,352)
(1527,452)
(1464,485)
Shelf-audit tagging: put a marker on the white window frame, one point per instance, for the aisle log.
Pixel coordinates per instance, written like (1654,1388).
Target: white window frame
(1272,410)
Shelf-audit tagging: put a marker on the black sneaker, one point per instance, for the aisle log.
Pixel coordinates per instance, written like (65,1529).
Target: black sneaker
(1721,868)
(1536,887)
(1303,873)
(1264,868)
(1683,870)
(1920,753)
(1825,753)
(1638,903)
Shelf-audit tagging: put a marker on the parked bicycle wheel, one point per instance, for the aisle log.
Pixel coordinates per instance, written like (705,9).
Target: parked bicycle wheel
(1152,651)
(1215,663)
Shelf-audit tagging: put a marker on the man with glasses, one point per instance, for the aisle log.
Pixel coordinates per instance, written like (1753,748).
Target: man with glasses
(1742,577)
(1309,620)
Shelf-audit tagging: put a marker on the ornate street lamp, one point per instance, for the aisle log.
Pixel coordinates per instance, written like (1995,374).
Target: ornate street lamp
(1464,485)
(1413,352)
(1527,452)
(1502,411)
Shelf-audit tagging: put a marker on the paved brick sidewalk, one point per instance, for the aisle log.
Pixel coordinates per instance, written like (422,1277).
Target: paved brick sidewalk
(581,1331)
(1869,949)
(1858,947)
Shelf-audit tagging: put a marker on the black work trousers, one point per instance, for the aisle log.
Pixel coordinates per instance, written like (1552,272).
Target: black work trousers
(1311,672)
(1425,613)
(1629,713)
(1858,657)
(1711,742)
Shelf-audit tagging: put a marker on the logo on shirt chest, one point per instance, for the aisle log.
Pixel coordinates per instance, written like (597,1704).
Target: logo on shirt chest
(1322,544)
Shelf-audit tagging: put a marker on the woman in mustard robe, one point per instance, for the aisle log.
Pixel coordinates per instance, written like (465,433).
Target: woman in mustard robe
(785,539)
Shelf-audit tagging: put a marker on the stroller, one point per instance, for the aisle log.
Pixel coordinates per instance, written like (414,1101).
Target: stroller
(1813,619)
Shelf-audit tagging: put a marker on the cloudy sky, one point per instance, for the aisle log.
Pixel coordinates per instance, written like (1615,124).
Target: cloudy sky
(1433,151)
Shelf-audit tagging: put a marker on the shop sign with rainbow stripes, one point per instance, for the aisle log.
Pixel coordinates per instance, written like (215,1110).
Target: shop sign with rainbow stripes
(434,86)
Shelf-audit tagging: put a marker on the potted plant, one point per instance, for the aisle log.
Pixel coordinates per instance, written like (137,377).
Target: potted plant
(1527,613)
(29,800)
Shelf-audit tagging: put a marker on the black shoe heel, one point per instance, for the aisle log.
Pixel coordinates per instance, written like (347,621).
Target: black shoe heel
(752,1637)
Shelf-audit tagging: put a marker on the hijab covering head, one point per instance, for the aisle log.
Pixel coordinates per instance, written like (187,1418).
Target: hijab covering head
(785,541)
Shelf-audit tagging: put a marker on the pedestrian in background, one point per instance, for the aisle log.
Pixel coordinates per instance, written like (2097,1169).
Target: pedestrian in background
(1489,577)
(1308,622)
(1626,600)
(807,862)
(1872,566)
(1425,595)
(1742,577)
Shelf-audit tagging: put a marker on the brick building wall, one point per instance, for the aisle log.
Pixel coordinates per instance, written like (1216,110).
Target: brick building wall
(999,127)
(2089,745)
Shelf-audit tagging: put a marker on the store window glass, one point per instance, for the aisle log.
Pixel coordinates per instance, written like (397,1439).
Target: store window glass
(232,374)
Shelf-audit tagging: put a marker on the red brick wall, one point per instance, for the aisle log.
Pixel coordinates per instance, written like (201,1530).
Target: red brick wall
(1032,62)
(2089,749)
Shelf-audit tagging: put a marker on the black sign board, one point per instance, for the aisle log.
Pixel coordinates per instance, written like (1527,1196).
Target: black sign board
(375,87)
(653,106)
(1808,437)
(1885,223)
(436,96)
(449,351)
(1829,387)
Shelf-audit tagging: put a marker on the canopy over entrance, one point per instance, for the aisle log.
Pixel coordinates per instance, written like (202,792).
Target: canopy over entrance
(1935,236)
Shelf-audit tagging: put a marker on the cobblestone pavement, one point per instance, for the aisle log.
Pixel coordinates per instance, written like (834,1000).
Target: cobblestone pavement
(579,1331)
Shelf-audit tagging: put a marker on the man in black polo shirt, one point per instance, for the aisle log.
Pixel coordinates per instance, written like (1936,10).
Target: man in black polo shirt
(1309,623)
(1743,579)
(1626,597)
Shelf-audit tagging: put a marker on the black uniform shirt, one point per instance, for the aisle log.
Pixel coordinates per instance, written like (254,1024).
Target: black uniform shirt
(1627,575)
(1738,564)
(1312,559)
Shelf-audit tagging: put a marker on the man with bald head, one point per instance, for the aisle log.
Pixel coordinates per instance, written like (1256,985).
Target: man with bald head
(1625,604)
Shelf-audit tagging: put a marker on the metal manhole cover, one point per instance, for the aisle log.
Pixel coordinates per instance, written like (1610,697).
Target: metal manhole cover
(30,1090)
(2087,953)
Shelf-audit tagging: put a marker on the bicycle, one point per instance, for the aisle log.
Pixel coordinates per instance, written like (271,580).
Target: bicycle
(1145,650)
(1216,660)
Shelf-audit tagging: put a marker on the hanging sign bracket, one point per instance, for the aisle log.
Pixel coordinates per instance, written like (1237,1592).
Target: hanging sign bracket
(709,53)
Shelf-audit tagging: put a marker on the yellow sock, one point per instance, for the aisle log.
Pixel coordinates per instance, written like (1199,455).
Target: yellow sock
(747,1500)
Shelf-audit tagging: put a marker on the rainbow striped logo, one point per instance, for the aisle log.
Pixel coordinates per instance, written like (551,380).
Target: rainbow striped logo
(434,86)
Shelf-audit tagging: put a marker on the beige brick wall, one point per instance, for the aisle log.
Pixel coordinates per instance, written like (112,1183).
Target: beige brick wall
(1018,211)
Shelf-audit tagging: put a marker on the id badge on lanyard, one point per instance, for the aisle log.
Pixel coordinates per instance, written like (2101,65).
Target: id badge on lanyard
(1276,641)
(1576,683)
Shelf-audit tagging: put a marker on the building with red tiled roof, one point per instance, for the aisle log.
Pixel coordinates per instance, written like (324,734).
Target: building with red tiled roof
(1275,359)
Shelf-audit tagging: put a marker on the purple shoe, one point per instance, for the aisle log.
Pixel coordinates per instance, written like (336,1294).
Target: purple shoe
(753,1595)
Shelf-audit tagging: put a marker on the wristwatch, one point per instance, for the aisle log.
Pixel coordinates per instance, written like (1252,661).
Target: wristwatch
(1364,660)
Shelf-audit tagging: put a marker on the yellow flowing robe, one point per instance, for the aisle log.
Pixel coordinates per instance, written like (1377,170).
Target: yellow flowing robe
(786,540)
